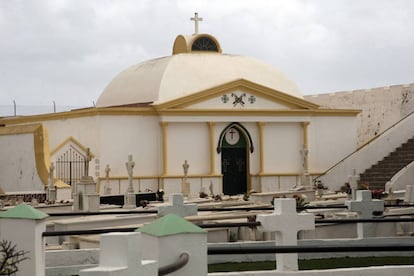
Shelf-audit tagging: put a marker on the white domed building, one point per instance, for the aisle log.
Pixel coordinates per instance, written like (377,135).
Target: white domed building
(240,123)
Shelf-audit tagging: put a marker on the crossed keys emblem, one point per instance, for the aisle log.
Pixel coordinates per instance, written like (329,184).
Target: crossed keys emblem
(238,99)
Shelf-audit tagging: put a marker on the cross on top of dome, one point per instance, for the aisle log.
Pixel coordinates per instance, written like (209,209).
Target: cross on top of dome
(196,19)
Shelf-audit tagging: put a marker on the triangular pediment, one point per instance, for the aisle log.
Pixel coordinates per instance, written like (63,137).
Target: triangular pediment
(71,144)
(238,95)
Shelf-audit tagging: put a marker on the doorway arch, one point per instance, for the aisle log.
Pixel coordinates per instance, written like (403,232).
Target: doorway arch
(235,146)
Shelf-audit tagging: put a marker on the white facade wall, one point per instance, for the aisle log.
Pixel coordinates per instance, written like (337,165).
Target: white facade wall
(282,145)
(18,171)
(84,129)
(330,140)
(139,136)
(188,141)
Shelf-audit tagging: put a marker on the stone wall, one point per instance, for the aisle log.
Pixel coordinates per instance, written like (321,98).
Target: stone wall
(381,107)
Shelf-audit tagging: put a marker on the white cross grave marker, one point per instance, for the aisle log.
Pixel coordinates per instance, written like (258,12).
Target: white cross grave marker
(364,205)
(286,223)
(196,19)
(177,207)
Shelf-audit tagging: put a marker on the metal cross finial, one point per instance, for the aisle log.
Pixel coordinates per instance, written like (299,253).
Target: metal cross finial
(196,19)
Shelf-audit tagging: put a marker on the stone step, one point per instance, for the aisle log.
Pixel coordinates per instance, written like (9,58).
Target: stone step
(384,170)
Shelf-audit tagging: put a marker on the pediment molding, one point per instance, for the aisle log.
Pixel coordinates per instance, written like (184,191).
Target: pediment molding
(238,85)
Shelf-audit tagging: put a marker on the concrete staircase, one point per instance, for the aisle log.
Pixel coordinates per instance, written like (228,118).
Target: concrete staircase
(384,170)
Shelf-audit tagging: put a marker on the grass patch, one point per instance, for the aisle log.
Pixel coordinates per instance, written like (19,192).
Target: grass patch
(315,264)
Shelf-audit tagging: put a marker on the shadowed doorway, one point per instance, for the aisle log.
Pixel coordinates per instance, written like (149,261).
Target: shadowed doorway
(234,160)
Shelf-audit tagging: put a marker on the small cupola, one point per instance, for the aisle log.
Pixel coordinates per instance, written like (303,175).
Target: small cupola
(196,43)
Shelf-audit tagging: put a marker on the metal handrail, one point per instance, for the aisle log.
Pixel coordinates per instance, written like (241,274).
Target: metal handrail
(223,250)
(178,264)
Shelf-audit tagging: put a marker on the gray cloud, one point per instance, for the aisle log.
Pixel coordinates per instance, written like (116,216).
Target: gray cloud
(68,50)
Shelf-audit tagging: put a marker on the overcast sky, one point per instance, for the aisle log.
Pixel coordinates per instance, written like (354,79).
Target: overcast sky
(67,51)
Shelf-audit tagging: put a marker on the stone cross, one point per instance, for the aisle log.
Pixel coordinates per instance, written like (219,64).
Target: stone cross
(353,182)
(177,207)
(88,159)
(51,191)
(364,205)
(185,168)
(196,19)
(130,169)
(304,152)
(51,175)
(185,187)
(107,189)
(210,187)
(130,198)
(286,223)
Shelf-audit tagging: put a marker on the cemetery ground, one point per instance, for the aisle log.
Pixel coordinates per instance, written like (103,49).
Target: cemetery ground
(331,263)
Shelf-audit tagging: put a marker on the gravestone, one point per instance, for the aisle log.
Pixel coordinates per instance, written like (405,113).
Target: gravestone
(130,201)
(286,223)
(51,190)
(107,188)
(364,205)
(185,185)
(120,255)
(87,197)
(177,207)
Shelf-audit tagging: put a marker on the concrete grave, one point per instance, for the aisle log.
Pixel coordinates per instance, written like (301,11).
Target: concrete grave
(120,255)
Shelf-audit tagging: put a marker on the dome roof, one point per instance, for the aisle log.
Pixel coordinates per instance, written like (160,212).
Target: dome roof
(186,72)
